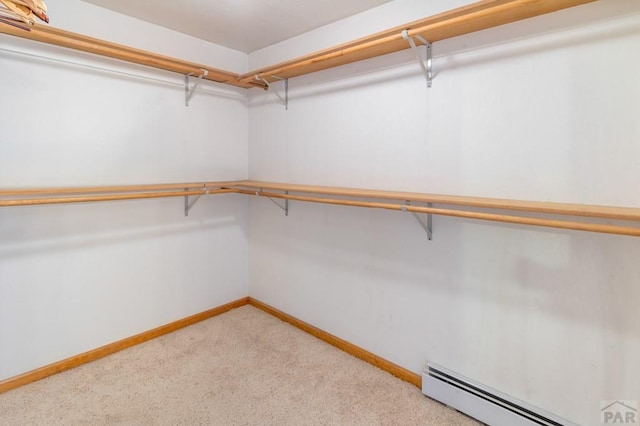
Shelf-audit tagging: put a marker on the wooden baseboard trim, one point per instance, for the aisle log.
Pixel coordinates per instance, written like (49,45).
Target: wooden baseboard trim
(101,352)
(350,348)
(111,348)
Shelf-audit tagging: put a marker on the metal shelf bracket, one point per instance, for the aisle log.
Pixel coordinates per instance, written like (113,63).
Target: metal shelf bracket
(188,205)
(428,225)
(283,100)
(286,202)
(427,65)
(189,91)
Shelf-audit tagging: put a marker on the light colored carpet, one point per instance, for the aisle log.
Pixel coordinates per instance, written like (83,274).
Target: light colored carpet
(244,367)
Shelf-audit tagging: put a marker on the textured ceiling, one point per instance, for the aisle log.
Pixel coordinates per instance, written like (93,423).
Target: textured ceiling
(244,25)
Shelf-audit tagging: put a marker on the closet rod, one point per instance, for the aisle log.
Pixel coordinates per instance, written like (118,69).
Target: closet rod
(321,195)
(68,39)
(116,72)
(120,188)
(551,223)
(110,197)
(566,209)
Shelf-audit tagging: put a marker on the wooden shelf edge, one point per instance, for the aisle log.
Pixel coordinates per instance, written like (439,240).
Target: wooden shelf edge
(586,210)
(250,186)
(67,39)
(354,197)
(120,188)
(45,196)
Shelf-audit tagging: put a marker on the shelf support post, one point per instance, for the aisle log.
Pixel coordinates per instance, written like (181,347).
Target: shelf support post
(285,208)
(427,65)
(283,100)
(428,225)
(188,205)
(189,91)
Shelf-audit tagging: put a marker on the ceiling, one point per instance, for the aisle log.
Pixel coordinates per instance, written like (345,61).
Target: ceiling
(244,25)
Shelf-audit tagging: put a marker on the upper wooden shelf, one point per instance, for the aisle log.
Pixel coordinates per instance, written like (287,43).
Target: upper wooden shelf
(58,37)
(464,20)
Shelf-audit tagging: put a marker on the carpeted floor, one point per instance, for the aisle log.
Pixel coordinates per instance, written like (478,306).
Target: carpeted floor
(244,367)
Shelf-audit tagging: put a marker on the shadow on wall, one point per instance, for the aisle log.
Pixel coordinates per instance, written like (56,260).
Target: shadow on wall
(29,231)
(486,47)
(579,276)
(497,44)
(104,67)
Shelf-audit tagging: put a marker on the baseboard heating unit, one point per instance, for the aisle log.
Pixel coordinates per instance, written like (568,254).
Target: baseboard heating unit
(481,402)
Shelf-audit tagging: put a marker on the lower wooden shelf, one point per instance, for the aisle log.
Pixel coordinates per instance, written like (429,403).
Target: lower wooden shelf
(457,206)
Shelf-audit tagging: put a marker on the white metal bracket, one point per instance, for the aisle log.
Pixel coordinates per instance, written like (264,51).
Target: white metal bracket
(188,205)
(427,65)
(428,225)
(189,91)
(283,100)
(286,202)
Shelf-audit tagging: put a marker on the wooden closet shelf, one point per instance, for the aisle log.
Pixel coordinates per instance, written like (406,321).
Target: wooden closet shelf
(586,210)
(58,37)
(362,198)
(39,196)
(464,20)
(120,188)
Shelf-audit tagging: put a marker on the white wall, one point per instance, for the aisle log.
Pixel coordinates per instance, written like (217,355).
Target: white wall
(548,113)
(75,277)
